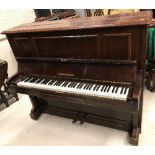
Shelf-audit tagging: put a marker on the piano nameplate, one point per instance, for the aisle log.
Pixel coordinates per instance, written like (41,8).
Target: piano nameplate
(66,74)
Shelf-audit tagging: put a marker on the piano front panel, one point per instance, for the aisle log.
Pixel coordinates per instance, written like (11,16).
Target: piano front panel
(116,71)
(23,45)
(112,44)
(123,43)
(64,46)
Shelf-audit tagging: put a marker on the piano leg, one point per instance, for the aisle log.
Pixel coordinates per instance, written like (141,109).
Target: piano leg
(4,99)
(35,111)
(140,112)
(134,139)
(150,80)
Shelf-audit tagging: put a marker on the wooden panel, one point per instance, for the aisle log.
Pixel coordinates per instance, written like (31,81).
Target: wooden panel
(104,70)
(80,46)
(24,47)
(117,46)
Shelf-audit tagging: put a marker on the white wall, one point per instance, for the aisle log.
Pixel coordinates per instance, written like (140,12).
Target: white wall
(80,12)
(10,18)
(7,54)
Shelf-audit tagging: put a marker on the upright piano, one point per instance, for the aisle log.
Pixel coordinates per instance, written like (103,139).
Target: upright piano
(87,69)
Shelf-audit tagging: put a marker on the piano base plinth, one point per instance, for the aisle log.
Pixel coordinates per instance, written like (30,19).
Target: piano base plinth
(134,139)
(78,112)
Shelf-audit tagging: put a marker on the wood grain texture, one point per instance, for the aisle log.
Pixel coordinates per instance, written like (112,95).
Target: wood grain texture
(94,49)
(137,18)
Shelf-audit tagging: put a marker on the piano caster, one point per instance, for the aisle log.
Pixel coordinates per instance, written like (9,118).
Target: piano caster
(34,116)
(134,139)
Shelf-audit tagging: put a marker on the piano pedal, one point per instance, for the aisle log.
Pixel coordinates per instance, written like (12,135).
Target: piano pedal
(76,118)
(83,119)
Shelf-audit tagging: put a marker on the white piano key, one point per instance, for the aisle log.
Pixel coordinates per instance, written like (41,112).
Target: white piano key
(75,90)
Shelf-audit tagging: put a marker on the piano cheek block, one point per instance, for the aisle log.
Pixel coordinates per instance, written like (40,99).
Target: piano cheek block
(87,70)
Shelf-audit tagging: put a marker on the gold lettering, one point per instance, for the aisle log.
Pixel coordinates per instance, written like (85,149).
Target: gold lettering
(65,74)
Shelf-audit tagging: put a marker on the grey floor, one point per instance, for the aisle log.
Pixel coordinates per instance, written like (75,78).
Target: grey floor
(17,128)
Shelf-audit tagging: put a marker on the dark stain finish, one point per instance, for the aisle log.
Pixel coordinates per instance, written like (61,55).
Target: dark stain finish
(110,49)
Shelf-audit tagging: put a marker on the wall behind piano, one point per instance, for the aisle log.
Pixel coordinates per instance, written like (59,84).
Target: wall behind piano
(10,18)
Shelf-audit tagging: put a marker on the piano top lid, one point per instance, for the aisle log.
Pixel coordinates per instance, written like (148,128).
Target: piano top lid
(137,18)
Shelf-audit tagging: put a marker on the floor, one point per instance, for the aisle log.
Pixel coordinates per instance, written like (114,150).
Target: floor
(18,129)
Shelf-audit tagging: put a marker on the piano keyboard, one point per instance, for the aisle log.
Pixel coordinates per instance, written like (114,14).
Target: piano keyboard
(75,87)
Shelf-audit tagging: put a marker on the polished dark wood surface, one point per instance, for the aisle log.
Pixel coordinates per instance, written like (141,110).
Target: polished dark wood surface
(137,18)
(101,49)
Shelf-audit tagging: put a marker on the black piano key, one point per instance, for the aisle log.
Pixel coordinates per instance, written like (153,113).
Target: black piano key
(56,83)
(69,84)
(108,88)
(30,80)
(45,81)
(97,87)
(75,84)
(94,88)
(105,88)
(59,83)
(113,90)
(85,86)
(27,79)
(122,90)
(125,90)
(116,89)
(64,84)
(81,85)
(24,79)
(78,85)
(102,88)
(51,82)
(33,80)
(90,86)
(72,84)
(38,81)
